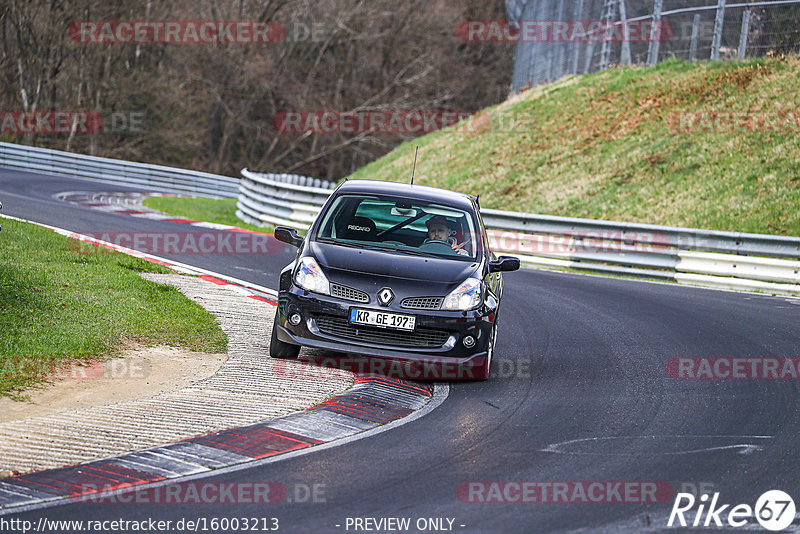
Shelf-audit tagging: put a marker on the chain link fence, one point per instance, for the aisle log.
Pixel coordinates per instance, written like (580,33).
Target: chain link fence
(556,38)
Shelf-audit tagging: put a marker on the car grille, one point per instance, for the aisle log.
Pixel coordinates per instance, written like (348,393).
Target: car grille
(422,303)
(341,327)
(348,293)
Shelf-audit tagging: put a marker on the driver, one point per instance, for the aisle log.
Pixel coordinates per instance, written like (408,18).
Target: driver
(439,230)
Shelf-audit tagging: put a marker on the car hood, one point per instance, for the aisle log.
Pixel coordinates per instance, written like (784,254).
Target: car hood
(353,266)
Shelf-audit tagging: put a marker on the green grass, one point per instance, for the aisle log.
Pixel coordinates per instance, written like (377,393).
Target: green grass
(609,146)
(61,301)
(220,211)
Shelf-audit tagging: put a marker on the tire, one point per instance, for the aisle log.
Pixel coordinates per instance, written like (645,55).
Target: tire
(279,349)
(485,369)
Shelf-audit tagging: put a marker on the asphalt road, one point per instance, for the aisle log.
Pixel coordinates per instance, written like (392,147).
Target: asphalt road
(580,392)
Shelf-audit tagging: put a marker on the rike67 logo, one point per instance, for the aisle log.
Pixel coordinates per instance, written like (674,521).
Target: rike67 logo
(774,510)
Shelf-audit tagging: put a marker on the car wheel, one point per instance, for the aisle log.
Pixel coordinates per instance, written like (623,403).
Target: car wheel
(279,349)
(483,370)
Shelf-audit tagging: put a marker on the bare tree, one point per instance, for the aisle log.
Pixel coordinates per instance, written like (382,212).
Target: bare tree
(211,106)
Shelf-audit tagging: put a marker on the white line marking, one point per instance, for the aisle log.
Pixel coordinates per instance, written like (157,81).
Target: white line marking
(747,448)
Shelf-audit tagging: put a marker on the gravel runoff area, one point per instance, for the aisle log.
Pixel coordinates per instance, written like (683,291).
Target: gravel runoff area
(245,390)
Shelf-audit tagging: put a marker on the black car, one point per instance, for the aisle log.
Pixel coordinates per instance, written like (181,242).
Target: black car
(394,271)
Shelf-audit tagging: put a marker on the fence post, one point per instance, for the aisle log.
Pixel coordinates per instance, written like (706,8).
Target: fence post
(655,33)
(587,66)
(743,35)
(693,44)
(625,58)
(557,69)
(576,49)
(718,22)
(532,11)
(605,49)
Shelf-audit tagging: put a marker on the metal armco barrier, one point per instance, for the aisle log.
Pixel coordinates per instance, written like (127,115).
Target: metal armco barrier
(155,178)
(281,199)
(728,260)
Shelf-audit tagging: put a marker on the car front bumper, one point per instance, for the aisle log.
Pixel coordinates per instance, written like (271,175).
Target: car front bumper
(325,325)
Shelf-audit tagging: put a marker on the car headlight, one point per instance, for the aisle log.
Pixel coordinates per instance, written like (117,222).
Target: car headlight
(465,297)
(310,277)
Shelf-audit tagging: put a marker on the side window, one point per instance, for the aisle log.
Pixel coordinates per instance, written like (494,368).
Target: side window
(338,214)
(328,227)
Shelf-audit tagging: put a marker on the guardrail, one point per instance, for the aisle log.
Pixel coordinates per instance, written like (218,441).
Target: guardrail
(281,199)
(730,260)
(691,256)
(155,178)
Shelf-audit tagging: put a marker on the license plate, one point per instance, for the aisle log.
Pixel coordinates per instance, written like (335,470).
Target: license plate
(383,319)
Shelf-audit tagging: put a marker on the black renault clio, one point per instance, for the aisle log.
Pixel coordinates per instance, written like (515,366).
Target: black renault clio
(394,271)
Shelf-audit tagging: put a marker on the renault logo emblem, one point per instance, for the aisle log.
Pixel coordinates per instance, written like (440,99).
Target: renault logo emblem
(385,296)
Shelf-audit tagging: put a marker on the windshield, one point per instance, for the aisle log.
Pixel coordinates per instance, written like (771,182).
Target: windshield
(401,225)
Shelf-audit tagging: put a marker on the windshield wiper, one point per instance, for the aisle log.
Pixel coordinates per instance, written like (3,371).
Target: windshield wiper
(417,252)
(352,245)
(340,243)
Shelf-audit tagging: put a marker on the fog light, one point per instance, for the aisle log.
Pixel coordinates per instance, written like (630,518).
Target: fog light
(469,342)
(294,319)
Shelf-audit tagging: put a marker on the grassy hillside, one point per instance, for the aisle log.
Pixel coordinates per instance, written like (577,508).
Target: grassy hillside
(632,144)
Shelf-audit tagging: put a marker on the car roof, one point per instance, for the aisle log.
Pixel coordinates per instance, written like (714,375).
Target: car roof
(418,192)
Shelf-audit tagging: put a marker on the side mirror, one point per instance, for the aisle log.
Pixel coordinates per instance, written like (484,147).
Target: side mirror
(504,263)
(288,235)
